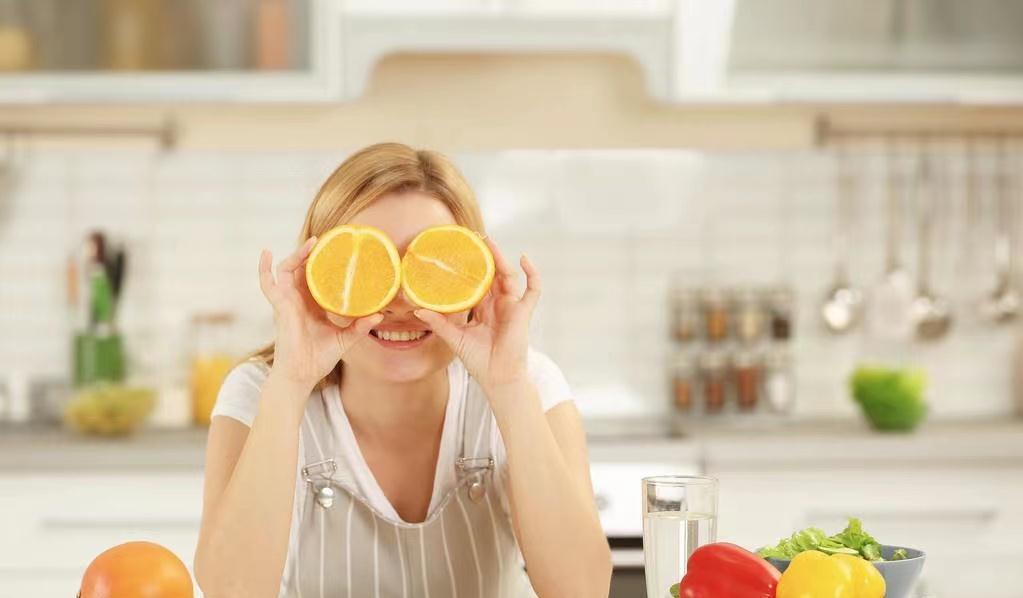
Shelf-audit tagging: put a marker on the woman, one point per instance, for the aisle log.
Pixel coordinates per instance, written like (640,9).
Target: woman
(341,463)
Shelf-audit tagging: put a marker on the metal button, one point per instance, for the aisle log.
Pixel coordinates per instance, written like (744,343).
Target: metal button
(477,490)
(325,496)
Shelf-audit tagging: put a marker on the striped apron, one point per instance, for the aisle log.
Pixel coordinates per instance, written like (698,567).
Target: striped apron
(465,548)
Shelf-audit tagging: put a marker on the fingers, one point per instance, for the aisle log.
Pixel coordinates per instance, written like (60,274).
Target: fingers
(442,327)
(364,325)
(356,331)
(266,277)
(340,321)
(293,261)
(532,294)
(505,274)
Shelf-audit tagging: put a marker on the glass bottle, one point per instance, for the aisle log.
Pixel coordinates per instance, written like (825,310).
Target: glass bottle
(713,380)
(17,47)
(212,358)
(747,370)
(782,313)
(779,384)
(749,316)
(715,314)
(131,31)
(683,381)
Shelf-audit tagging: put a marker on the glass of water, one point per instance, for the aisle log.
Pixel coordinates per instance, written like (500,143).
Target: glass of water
(680,514)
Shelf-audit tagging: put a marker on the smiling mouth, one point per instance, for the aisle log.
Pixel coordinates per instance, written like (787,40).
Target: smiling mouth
(400,339)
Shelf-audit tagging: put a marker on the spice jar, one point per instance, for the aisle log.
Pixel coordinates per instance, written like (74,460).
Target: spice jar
(749,316)
(212,359)
(715,314)
(779,386)
(683,381)
(781,308)
(685,314)
(713,376)
(747,370)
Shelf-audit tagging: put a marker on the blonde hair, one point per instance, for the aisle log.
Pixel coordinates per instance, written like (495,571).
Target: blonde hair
(373,172)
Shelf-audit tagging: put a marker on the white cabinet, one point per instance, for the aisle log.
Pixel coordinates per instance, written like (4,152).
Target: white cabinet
(344,41)
(965,516)
(311,72)
(55,523)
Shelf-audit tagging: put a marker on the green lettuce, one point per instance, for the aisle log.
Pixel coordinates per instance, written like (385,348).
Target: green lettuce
(851,540)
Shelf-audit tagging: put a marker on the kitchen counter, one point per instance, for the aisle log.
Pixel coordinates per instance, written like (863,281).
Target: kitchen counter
(54,449)
(830,443)
(827,442)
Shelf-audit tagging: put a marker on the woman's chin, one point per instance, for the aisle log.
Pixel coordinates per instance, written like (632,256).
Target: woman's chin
(402,368)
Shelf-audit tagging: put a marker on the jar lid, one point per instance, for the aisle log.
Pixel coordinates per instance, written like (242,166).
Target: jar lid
(683,361)
(778,357)
(713,360)
(746,295)
(745,359)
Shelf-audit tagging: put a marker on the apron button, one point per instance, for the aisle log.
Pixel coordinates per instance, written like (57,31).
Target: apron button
(325,496)
(477,490)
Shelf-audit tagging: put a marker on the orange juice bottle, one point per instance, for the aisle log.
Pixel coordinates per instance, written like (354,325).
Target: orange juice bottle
(212,359)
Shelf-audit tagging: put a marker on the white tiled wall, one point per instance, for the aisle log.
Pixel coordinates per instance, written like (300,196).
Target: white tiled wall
(608,229)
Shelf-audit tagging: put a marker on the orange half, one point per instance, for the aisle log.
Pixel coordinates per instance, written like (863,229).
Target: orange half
(447,269)
(353,270)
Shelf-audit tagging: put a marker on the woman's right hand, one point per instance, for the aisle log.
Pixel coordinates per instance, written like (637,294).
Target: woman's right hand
(308,345)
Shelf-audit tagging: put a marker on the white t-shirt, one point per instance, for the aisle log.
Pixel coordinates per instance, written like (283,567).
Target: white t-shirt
(239,399)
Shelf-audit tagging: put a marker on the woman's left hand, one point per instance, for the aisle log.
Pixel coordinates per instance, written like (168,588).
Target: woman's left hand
(495,343)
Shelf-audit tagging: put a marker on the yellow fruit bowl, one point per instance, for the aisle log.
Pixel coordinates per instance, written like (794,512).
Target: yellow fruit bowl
(108,410)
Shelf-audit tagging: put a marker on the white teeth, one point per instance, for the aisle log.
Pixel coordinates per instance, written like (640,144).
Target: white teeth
(400,335)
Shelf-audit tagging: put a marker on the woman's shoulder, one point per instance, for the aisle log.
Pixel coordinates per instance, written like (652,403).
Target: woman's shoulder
(550,381)
(239,393)
(546,376)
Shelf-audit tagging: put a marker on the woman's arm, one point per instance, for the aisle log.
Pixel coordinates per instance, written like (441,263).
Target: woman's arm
(552,502)
(248,497)
(250,475)
(555,516)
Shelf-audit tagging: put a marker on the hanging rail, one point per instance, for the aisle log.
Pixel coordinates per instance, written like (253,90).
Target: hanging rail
(165,134)
(827,133)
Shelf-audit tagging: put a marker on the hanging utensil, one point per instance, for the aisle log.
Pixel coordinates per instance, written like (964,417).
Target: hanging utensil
(1003,303)
(932,313)
(115,266)
(843,303)
(892,299)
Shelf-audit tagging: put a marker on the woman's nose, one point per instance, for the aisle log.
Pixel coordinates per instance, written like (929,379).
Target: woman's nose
(399,306)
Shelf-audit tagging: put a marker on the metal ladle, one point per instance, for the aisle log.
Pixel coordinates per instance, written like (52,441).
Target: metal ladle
(932,313)
(892,299)
(1003,303)
(843,303)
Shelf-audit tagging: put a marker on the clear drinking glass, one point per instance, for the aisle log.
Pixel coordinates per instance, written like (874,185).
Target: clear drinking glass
(679,516)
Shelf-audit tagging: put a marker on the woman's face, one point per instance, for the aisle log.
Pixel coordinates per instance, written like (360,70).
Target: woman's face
(383,355)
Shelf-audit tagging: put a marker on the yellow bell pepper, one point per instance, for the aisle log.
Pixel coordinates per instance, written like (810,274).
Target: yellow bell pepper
(866,577)
(813,574)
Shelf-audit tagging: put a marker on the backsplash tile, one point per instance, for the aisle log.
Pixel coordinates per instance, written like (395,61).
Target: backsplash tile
(609,230)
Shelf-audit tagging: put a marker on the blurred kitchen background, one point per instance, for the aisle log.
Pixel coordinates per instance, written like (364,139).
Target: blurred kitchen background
(734,205)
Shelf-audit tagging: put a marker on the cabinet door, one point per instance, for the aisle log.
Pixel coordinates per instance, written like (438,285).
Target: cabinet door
(967,520)
(55,524)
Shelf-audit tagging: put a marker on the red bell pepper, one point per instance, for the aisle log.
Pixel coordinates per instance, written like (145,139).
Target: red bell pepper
(724,570)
